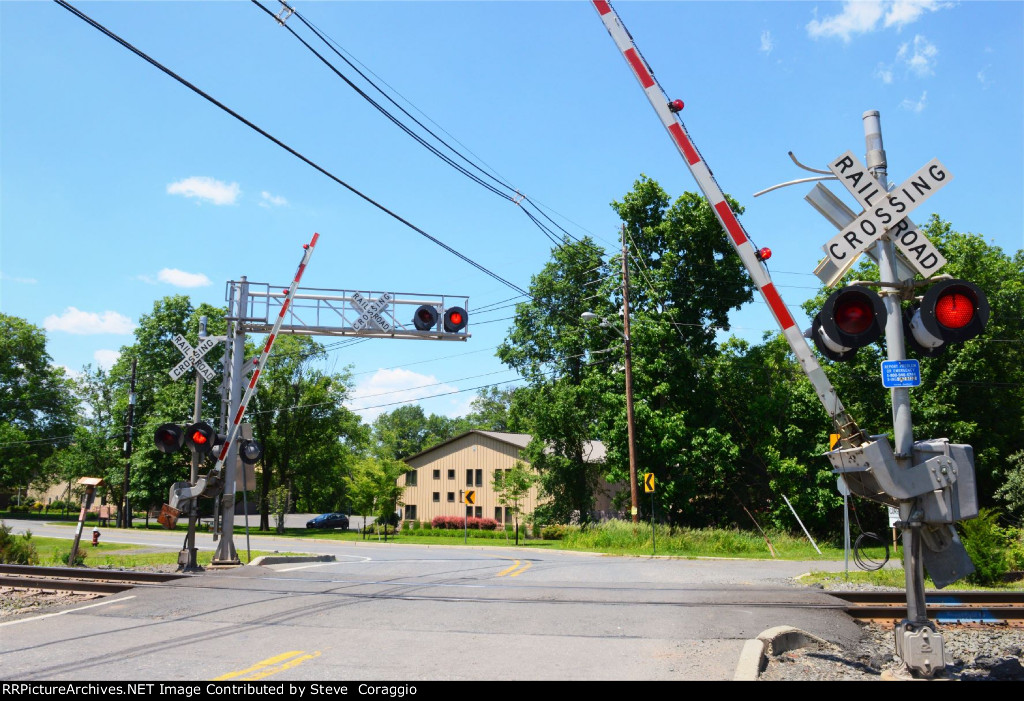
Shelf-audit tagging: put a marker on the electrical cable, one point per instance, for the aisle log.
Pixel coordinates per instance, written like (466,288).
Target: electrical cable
(75,11)
(513,194)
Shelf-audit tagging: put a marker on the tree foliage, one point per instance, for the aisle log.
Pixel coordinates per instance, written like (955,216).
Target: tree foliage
(37,405)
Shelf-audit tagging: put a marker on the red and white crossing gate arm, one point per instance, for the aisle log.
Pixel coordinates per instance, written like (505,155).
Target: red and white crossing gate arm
(845,425)
(260,363)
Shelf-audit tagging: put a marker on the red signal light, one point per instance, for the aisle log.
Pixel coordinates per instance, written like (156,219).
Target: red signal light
(425,317)
(951,311)
(168,438)
(850,319)
(455,319)
(200,438)
(954,310)
(854,315)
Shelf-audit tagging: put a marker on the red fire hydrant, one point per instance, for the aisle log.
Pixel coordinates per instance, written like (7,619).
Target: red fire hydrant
(95,537)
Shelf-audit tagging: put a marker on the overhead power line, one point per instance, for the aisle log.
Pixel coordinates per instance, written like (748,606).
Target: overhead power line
(78,13)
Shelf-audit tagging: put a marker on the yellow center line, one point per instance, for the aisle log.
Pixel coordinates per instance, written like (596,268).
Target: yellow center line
(282,667)
(525,567)
(509,569)
(269,662)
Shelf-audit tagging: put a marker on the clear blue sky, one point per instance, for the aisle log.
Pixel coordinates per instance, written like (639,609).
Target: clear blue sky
(120,186)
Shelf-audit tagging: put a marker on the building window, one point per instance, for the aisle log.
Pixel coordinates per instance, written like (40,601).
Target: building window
(474,478)
(451,496)
(469,511)
(497,514)
(437,496)
(479,512)
(508,514)
(451,474)
(410,512)
(410,479)
(437,474)
(469,478)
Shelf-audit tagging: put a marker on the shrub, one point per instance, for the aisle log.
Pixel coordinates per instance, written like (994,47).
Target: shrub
(17,550)
(65,557)
(1015,548)
(986,544)
(558,531)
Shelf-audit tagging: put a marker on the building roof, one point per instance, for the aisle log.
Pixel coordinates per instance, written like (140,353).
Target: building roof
(593,451)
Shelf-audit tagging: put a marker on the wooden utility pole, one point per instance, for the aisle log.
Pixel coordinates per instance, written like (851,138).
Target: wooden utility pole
(630,425)
(126,511)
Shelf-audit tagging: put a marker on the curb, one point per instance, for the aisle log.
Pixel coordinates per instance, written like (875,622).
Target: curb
(773,641)
(284,559)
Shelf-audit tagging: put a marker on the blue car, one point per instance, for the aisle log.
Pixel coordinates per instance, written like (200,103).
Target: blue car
(329,521)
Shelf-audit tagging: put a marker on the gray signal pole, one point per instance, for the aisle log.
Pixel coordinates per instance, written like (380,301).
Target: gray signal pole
(226,553)
(913,562)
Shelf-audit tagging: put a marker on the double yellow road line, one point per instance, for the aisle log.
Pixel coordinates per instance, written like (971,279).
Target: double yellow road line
(515,570)
(270,666)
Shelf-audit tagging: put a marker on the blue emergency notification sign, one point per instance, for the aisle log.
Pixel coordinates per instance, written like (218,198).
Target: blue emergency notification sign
(901,373)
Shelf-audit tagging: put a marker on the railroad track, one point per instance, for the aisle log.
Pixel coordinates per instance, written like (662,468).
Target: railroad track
(952,608)
(77,579)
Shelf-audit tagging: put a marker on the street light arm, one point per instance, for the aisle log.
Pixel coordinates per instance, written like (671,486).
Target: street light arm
(590,316)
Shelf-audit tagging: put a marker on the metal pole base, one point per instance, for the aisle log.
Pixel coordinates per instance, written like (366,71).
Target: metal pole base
(187,560)
(919,645)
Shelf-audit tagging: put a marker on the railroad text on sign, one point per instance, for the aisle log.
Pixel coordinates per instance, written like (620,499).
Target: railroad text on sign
(885,210)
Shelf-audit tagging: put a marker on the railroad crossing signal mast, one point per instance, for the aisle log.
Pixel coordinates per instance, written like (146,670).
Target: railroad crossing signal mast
(261,308)
(932,481)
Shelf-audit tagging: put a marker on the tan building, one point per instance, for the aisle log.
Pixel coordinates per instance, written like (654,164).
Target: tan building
(442,474)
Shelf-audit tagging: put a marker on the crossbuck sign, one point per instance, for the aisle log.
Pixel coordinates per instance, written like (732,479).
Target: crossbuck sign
(884,213)
(370,312)
(194,357)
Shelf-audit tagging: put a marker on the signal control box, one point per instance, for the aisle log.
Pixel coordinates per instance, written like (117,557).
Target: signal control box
(941,477)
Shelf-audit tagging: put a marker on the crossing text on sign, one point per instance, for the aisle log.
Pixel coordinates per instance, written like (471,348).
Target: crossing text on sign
(885,210)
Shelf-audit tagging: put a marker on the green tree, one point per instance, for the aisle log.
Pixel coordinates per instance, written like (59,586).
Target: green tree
(551,347)
(37,405)
(685,279)
(512,487)
(491,410)
(159,399)
(309,438)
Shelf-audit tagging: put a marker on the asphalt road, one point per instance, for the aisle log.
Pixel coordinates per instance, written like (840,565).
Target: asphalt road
(412,613)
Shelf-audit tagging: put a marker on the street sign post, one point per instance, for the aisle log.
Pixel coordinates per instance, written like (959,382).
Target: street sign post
(649,488)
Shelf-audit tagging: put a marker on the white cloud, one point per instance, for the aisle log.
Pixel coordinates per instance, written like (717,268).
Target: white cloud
(106,358)
(921,59)
(856,18)
(84,323)
(268,200)
(884,72)
(863,16)
(903,12)
(22,280)
(767,43)
(391,387)
(915,105)
(208,189)
(983,78)
(179,278)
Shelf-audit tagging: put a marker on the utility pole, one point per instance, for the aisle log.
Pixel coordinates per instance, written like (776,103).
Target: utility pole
(630,424)
(126,513)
